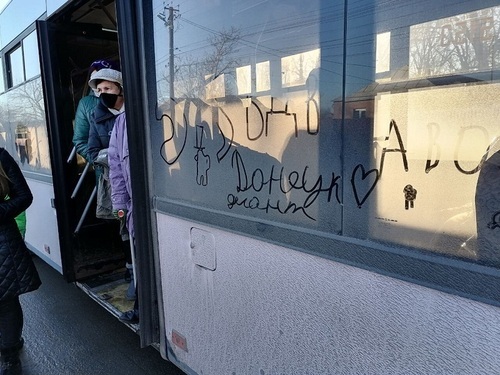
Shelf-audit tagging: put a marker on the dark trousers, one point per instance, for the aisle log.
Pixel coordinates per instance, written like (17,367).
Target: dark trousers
(11,322)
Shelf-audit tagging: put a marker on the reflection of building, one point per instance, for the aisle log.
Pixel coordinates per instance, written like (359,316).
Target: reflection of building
(23,144)
(361,103)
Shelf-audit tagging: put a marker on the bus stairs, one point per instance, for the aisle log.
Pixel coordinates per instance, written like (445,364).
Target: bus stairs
(109,289)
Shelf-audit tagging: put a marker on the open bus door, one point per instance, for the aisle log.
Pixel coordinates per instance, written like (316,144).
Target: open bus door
(89,246)
(91,249)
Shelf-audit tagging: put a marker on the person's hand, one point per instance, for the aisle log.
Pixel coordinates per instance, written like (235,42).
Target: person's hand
(120,214)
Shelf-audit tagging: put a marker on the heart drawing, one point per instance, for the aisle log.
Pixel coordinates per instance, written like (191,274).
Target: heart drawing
(358,183)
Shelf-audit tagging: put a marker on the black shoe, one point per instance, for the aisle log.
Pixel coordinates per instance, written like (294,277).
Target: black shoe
(131,316)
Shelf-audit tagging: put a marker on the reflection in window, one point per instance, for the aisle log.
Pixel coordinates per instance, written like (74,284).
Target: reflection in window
(23,130)
(244,79)
(296,68)
(215,87)
(24,61)
(247,100)
(2,82)
(16,66)
(263,76)
(32,64)
(383,62)
(359,113)
(461,44)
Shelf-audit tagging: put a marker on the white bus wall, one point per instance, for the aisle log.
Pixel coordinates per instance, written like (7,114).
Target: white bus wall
(42,236)
(11,25)
(267,309)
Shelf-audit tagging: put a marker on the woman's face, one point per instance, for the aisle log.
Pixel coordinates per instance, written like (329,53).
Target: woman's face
(108,87)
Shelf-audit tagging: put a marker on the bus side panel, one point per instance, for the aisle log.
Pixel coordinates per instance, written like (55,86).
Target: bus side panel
(236,305)
(42,236)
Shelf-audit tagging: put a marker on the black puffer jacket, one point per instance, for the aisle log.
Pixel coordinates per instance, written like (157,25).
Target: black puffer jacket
(18,274)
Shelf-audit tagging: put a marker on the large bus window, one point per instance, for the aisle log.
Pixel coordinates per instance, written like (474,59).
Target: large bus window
(426,180)
(243,91)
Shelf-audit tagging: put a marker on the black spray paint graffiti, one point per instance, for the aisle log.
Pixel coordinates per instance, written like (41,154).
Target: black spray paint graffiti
(433,130)
(401,149)
(358,177)
(495,221)
(163,149)
(202,159)
(363,181)
(410,195)
(277,181)
(227,137)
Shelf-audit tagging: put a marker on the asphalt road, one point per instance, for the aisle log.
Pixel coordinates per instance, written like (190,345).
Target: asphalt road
(66,332)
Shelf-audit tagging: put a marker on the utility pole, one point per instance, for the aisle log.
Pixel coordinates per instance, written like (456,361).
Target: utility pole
(171,55)
(169,23)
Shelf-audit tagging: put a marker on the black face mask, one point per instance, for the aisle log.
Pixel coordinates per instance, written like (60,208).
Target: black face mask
(108,100)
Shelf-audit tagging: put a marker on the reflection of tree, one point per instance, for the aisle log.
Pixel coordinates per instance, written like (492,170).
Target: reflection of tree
(22,116)
(423,57)
(464,43)
(27,100)
(224,44)
(192,73)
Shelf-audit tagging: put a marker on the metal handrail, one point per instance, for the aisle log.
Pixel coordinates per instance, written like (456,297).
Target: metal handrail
(86,210)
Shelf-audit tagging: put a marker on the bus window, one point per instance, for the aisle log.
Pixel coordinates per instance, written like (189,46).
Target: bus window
(2,80)
(431,127)
(32,63)
(16,66)
(238,99)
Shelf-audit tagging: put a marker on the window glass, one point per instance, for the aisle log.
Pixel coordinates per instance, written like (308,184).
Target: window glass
(2,81)
(425,172)
(394,144)
(243,92)
(31,59)
(16,66)
(23,131)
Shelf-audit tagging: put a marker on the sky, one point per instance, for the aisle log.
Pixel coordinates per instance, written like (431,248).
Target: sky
(3,4)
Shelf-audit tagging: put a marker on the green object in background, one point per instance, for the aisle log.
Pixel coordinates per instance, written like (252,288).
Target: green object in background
(21,222)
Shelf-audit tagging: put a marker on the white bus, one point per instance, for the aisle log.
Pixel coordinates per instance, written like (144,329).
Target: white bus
(315,184)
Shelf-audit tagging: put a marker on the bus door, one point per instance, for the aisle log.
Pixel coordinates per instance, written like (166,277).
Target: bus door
(68,42)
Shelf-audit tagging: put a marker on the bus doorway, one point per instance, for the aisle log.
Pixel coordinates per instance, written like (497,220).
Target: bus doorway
(69,41)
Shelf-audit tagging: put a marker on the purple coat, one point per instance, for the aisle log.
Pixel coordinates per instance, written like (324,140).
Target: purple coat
(119,170)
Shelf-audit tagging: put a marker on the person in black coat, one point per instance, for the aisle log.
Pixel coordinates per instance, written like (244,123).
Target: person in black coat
(18,274)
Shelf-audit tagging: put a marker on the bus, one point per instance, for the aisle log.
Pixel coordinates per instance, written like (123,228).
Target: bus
(315,184)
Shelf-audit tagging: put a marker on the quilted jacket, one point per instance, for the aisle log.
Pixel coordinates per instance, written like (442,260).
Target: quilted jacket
(18,274)
(83,118)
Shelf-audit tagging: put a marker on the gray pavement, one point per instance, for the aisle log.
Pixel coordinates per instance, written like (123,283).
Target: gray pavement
(66,332)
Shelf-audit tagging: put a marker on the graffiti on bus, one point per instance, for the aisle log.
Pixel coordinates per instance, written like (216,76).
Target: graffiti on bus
(286,179)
